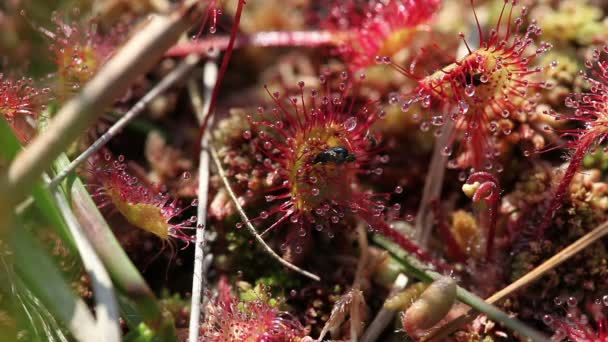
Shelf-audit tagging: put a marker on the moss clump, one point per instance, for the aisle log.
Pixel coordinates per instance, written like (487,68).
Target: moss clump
(574,21)
(582,276)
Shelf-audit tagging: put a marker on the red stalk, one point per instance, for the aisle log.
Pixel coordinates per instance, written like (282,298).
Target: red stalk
(397,237)
(582,148)
(453,248)
(224,66)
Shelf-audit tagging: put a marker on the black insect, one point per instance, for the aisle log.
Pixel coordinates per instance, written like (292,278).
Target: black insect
(372,141)
(474,79)
(336,155)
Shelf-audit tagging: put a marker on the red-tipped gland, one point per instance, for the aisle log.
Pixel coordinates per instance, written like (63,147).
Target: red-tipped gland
(138,203)
(20,105)
(383,29)
(314,147)
(577,326)
(579,331)
(479,91)
(590,110)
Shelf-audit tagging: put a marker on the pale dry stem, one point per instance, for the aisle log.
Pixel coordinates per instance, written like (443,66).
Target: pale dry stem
(106,306)
(384,316)
(199,278)
(432,186)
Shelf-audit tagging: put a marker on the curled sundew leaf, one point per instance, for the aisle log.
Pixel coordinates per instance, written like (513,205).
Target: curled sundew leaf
(433,305)
(484,186)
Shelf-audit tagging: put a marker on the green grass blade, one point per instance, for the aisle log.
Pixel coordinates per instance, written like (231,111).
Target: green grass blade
(34,267)
(27,309)
(44,279)
(106,307)
(44,202)
(9,144)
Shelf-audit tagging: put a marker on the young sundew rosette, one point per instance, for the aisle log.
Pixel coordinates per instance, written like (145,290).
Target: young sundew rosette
(137,202)
(314,146)
(482,91)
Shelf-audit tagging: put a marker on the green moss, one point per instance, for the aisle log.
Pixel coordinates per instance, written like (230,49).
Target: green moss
(256,266)
(573,21)
(596,160)
(582,275)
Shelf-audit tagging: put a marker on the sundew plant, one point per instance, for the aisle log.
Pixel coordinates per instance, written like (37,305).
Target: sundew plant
(297,171)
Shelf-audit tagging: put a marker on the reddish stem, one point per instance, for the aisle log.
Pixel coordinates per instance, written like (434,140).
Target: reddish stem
(397,237)
(224,66)
(584,143)
(260,39)
(454,249)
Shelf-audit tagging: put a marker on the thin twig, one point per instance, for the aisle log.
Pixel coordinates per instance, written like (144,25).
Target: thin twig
(364,255)
(175,75)
(355,317)
(432,185)
(106,306)
(527,279)
(552,262)
(384,316)
(199,278)
(363,258)
(222,174)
